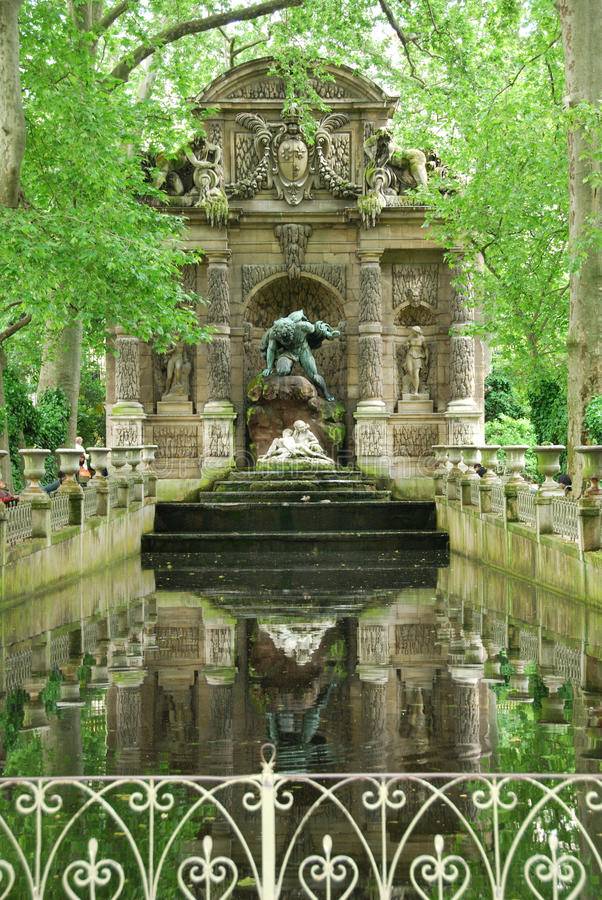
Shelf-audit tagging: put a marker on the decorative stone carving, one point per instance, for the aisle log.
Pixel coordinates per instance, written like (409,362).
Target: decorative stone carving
(339,157)
(373,644)
(371,439)
(370,301)
(176,441)
(291,340)
(467,714)
(415,293)
(415,640)
(389,172)
(127,369)
(460,305)
(274,89)
(218,292)
(298,443)
(189,278)
(126,434)
(219,375)
(461,367)
(293,243)
(218,439)
(287,162)
(370,366)
(414,440)
(252,275)
(463,433)
(195,177)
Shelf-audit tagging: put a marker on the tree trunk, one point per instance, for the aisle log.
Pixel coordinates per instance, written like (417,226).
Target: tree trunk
(582,37)
(61,368)
(5,466)
(12,120)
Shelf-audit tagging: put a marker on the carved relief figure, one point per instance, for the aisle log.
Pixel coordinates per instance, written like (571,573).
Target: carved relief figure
(291,339)
(298,442)
(406,168)
(178,373)
(195,177)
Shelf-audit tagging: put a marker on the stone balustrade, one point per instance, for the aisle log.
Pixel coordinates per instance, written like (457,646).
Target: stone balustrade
(503,493)
(37,515)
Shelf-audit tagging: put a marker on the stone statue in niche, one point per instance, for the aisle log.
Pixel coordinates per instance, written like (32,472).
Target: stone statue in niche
(417,360)
(177,384)
(291,340)
(298,443)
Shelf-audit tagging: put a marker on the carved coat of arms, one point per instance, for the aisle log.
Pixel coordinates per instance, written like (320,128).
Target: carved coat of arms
(286,161)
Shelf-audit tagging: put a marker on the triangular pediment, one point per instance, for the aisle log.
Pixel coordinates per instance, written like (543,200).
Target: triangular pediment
(255,81)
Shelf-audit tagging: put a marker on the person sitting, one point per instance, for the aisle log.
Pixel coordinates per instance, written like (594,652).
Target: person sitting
(85,473)
(53,487)
(6,496)
(479,469)
(566,481)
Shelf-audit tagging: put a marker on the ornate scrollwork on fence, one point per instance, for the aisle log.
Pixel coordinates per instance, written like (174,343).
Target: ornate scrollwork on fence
(320,836)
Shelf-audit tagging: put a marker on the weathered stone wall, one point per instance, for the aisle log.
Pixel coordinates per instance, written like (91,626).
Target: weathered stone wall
(546,561)
(31,567)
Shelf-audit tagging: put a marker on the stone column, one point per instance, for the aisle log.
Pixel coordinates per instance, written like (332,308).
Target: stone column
(371,417)
(462,409)
(218,414)
(127,414)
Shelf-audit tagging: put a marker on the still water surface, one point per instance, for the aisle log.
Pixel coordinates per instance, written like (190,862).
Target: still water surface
(455,669)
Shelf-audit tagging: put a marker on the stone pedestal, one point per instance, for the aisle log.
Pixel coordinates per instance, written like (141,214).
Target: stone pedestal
(172,406)
(415,404)
(371,440)
(218,418)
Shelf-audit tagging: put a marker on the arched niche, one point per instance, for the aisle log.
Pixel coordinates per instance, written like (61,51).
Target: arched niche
(278,296)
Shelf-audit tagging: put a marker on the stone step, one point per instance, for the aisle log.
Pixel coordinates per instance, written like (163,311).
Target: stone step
(315,496)
(263,547)
(312,583)
(292,474)
(294,518)
(299,485)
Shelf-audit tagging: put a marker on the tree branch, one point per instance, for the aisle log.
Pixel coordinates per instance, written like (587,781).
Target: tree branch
(528,62)
(128,63)
(16,326)
(113,13)
(403,37)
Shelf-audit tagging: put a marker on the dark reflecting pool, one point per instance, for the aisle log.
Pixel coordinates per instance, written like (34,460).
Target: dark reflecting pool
(188,672)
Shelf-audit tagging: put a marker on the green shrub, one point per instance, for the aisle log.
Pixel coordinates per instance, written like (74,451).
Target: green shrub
(549,412)
(501,398)
(592,420)
(507,430)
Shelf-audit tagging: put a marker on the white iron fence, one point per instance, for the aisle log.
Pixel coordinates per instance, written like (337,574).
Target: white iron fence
(564,518)
(19,523)
(497,499)
(291,836)
(59,510)
(525,501)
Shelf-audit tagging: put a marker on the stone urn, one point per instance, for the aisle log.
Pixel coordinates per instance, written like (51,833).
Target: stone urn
(69,466)
(99,461)
(454,455)
(548,465)
(148,456)
(515,461)
(119,458)
(471,457)
(592,467)
(489,454)
(134,457)
(33,469)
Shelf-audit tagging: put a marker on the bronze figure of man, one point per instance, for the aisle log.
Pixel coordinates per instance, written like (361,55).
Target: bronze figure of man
(292,339)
